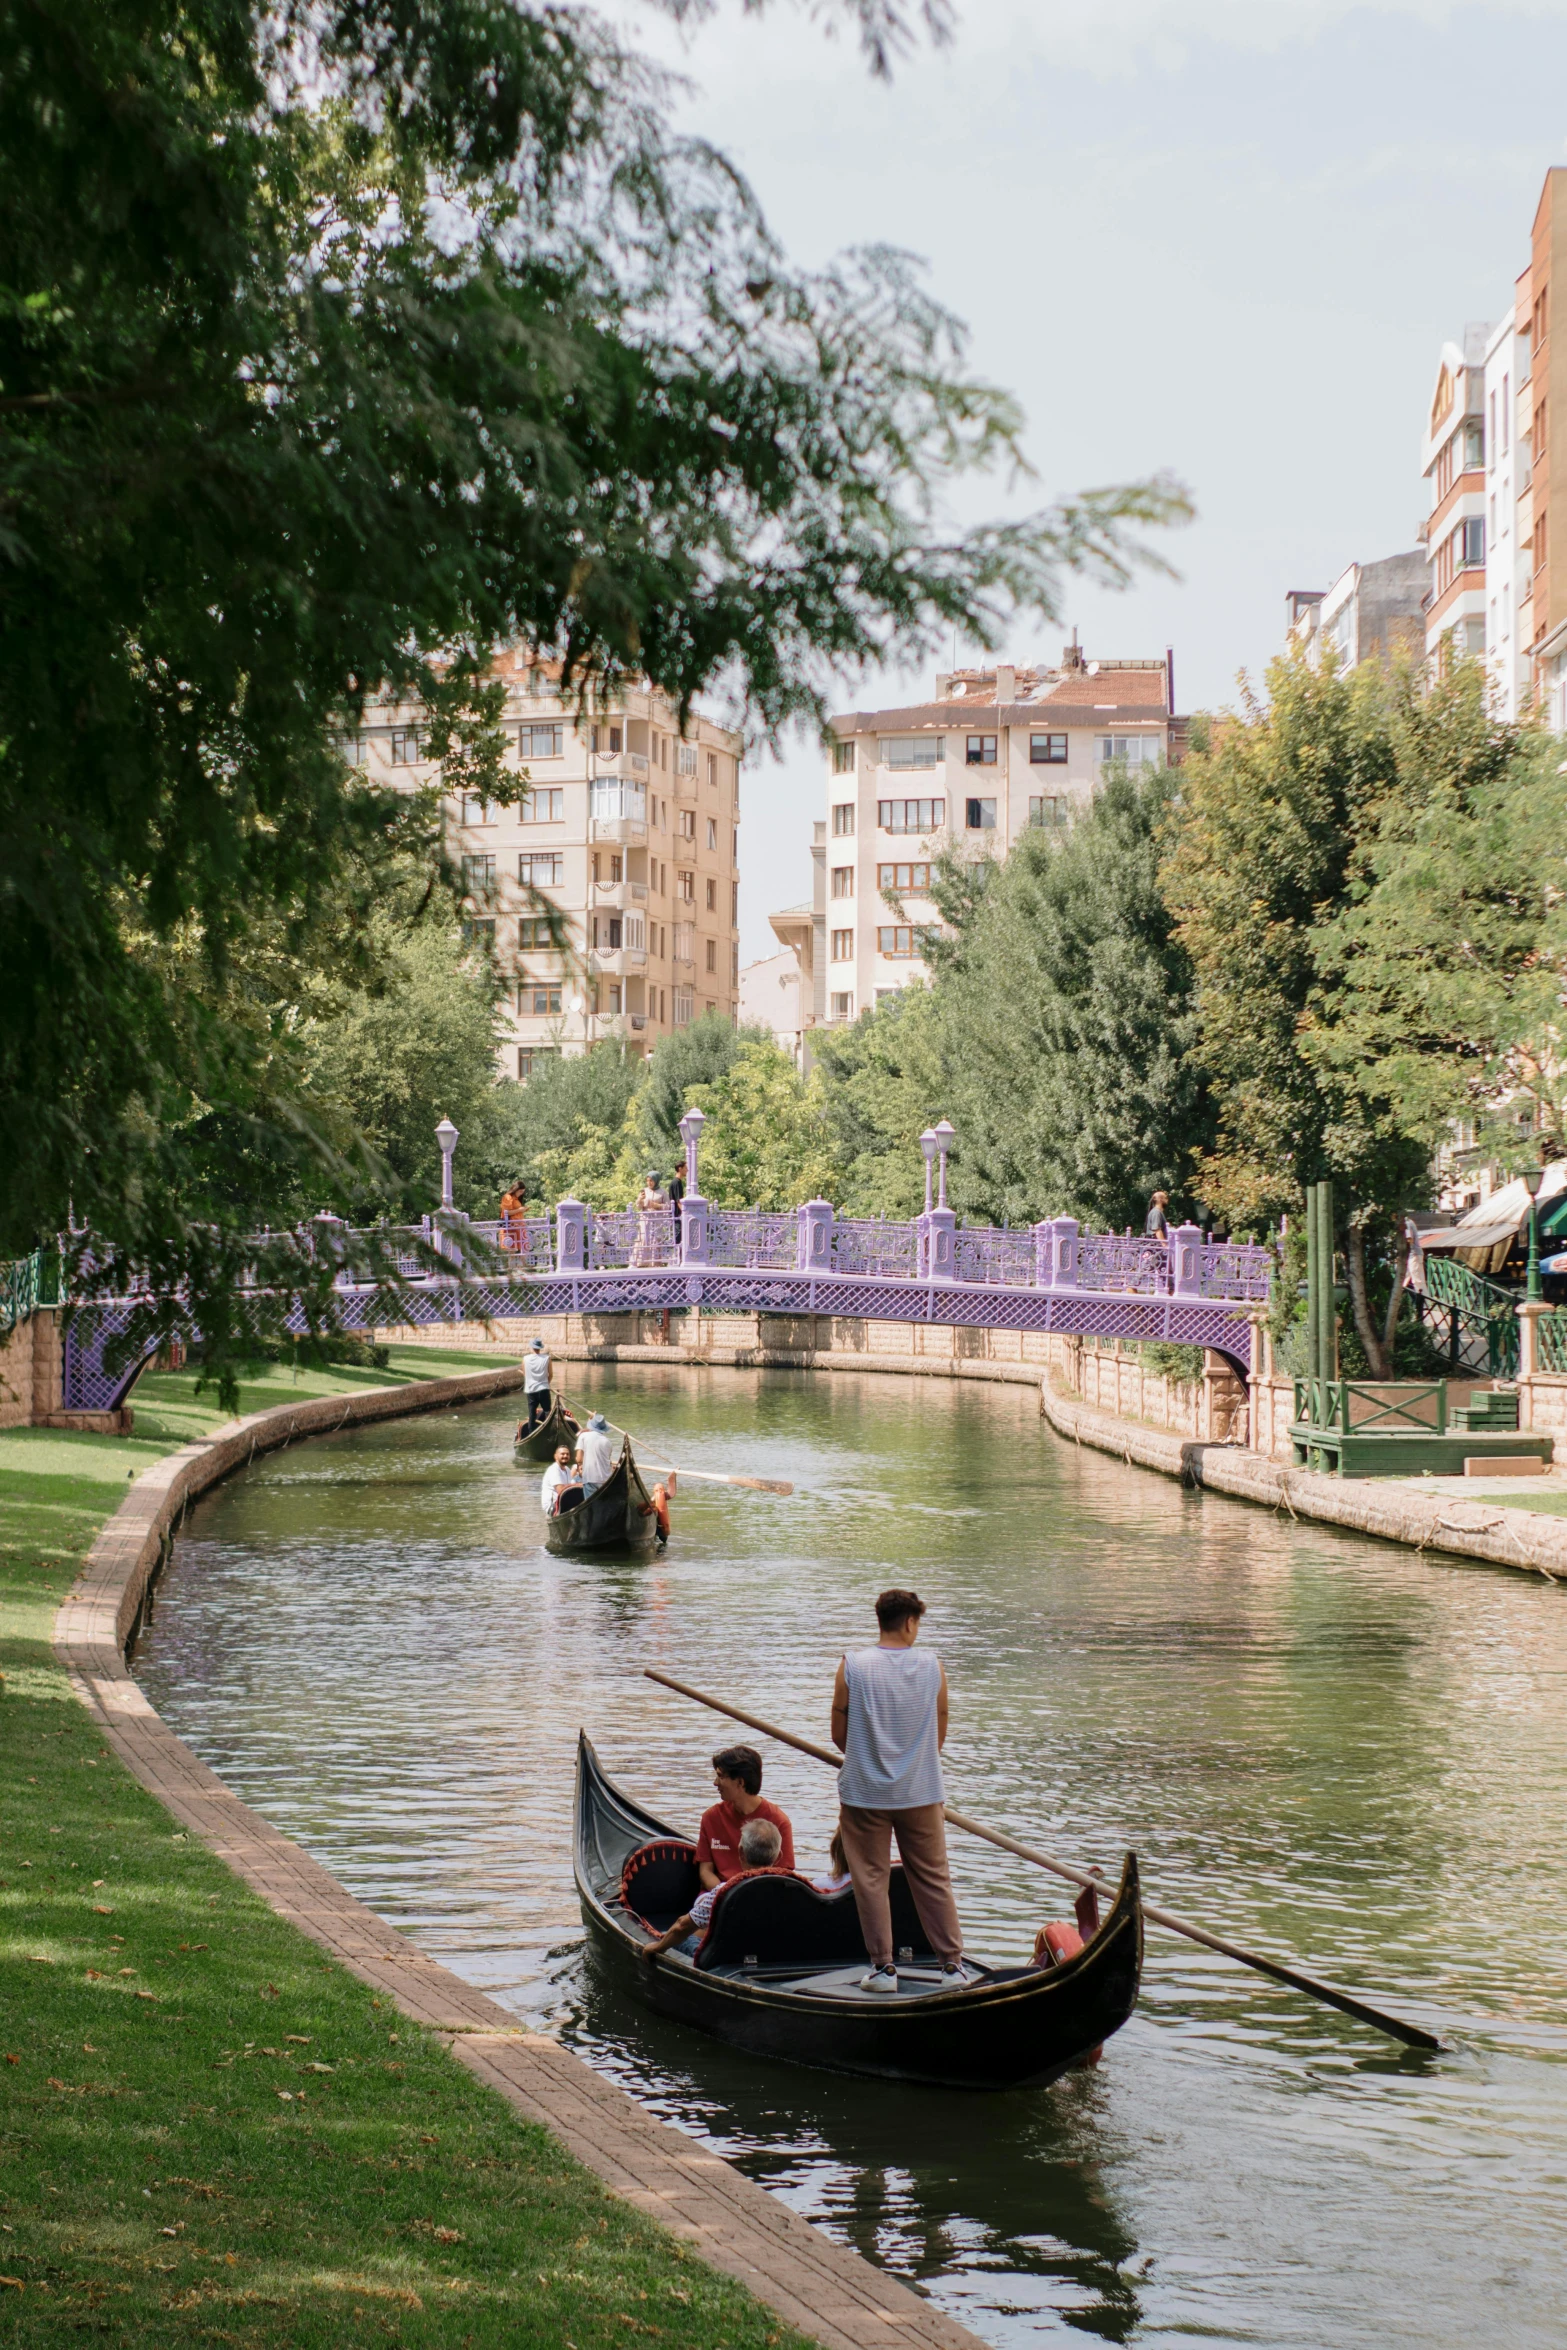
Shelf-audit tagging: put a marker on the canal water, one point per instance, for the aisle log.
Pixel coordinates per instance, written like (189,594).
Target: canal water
(1318,1744)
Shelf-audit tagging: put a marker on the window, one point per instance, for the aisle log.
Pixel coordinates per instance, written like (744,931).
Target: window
(712,767)
(686,763)
(609,932)
(634,933)
(912,750)
(353,749)
(545,807)
(712,832)
(541,1003)
(1473,535)
(843,1007)
(843,946)
(407,746)
(1492,441)
(911,815)
(687,823)
(533,930)
(1474,446)
(539,742)
(614,995)
(1507,413)
(843,881)
(478,930)
(478,876)
(712,897)
(843,820)
(611,801)
(980,751)
(530,1058)
(544,869)
(685,942)
(687,889)
(980,815)
(904,879)
(472,810)
(843,758)
(899,940)
(734,901)
(1047,808)
(683,1007)
(1047,750)
(607,736)
(1138,750)
(712,954)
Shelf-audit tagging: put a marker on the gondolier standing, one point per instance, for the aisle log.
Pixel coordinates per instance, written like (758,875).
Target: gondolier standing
(889,1721)
(536,1375)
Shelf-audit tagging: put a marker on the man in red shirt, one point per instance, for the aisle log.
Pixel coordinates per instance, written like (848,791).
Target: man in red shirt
(737,1775)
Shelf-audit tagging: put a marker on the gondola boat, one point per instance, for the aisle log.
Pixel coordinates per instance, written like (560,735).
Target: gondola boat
(620,1516)
(779,1967)
(558,1426)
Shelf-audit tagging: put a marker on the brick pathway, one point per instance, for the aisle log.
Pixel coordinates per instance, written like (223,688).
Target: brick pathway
(815,2284)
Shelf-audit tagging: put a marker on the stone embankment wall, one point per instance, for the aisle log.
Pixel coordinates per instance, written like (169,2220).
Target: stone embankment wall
(30,1375)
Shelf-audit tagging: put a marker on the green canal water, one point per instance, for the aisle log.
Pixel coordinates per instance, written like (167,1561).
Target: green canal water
(1321,1745)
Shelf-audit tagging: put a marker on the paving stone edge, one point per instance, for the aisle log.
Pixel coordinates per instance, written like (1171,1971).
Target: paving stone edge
(1447,1523)
(820,2287)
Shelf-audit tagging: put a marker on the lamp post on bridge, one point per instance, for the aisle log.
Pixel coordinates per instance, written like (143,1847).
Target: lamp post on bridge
(693,1208)
(946,1136)
(929,1145)
(446,1136)
(938,1225)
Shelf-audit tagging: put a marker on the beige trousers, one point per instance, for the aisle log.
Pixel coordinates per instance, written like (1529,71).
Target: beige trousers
(922,1848)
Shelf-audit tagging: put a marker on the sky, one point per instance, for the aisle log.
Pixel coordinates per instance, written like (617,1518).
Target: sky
(1227,241)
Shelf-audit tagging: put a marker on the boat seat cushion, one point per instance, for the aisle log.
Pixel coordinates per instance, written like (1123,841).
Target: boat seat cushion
(771,1920)
(660,1881)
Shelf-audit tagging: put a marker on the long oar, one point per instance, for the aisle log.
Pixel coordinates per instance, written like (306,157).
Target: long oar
(1413,2035)
(708,1476)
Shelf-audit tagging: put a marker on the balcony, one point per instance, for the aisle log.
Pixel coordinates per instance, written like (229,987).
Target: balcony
(617,893)
(621,765)
(685,787)
(616,962)
(684,851)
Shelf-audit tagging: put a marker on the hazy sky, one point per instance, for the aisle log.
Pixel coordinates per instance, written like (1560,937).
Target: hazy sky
(1226,240)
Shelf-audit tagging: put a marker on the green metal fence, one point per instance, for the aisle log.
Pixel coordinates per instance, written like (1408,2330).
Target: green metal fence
(26,1284)
(1550,1341)
(1484,1307)
(1370,1407)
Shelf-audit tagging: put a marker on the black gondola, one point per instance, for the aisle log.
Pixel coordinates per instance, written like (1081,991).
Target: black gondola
(620,1516)
(557,1427)
(778,1970)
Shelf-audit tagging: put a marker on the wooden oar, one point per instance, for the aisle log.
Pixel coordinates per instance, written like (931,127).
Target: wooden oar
(1412,2035)
(706,1476)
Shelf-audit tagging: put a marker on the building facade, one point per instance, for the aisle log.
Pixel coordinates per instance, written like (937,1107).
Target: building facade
(995,751)
(1452,460)
(628,831)
(1372,612)
(1541,403)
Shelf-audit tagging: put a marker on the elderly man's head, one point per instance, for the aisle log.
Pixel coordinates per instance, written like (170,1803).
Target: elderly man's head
(760,1844)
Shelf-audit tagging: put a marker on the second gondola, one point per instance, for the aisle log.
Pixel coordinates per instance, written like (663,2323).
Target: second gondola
(621,1515)
(559,1426)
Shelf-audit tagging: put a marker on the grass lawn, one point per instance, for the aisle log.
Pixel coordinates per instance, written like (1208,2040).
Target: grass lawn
(209,2132)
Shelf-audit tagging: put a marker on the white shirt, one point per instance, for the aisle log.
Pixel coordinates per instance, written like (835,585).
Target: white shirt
(597,1455)
(550,1484)
(535,1374)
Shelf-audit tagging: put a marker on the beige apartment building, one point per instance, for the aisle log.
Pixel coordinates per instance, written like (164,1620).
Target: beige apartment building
(628,829)
(995,751)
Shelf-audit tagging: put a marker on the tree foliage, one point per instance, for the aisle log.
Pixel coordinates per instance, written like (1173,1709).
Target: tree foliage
(764,1144)
(339,341)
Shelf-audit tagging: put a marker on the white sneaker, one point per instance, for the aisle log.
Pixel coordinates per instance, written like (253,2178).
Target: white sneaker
(880,1978)
(957,1974)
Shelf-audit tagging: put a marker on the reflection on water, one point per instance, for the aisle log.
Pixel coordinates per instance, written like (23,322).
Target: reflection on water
(1319,1744)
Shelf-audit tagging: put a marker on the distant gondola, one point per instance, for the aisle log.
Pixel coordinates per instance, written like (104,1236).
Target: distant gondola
(557,1427)
(620,1516)
(778,1970)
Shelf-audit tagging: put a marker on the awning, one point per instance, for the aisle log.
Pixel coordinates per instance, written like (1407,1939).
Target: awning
(1466,1236)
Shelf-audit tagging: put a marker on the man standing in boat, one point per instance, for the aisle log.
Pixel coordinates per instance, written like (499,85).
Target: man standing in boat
(889,1722)
(595,1455)
(536,1375)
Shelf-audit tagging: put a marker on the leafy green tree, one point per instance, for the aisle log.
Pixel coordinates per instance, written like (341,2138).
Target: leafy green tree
(686,1057)
(339,341)
(765,1143)
(1067,1021)
(522,1130)
(884,1078)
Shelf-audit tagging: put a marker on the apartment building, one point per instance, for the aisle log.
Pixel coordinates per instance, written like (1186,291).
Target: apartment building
(1540,428)
(1372,612)
(1452,460)
(1508,532)
(995,751)
(629,831)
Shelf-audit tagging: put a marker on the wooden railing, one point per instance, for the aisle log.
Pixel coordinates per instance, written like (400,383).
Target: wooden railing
(1364,1407)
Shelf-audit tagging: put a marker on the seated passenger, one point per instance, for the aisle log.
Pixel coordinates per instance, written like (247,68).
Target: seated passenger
(561,1473)
(737,1775)
(838,1879)
(760,1849)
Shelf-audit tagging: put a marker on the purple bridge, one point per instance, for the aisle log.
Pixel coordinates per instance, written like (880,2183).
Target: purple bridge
(1051,1276)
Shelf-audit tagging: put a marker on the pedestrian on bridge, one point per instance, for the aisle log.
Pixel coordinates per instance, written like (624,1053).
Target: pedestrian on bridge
(1158,1224)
